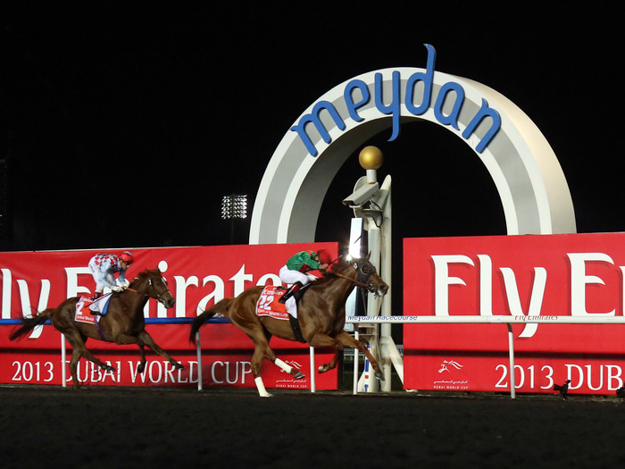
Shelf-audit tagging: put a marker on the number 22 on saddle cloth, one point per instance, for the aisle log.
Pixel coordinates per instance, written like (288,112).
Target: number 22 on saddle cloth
(268,304)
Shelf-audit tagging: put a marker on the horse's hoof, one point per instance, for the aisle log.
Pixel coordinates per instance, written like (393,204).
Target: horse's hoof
(323,368)
(299,375)
(179,366)
(379,375)
(266,395)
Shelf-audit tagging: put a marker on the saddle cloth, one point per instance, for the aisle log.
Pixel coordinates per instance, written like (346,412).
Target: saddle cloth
(83,309)
(268,304)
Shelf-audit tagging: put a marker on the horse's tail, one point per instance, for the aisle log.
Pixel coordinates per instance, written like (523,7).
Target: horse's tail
(28,324)
(220,307)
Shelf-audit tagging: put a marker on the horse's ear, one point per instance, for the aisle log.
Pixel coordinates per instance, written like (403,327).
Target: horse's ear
(368,256)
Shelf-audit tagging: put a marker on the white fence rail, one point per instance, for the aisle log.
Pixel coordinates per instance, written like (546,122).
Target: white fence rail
(371,320)
(499,319)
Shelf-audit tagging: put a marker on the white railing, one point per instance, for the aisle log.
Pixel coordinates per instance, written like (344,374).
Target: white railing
(499,319)
(370,320)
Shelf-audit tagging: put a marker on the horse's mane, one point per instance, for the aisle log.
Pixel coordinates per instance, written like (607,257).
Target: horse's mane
(340,266)
(141,276)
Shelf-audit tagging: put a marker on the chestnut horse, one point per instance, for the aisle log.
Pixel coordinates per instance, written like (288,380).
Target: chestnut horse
(124,322)
(320,313)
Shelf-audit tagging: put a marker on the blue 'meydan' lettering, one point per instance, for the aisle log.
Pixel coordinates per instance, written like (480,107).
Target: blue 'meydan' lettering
(351,105)
(394,107)
(313,117)
(485,111)
(452,118)
(427,78)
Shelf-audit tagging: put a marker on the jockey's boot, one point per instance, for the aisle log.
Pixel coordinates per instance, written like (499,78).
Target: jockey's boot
(94,308)
(291,291)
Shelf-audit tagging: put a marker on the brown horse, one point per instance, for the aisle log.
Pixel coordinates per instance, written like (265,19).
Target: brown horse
(124,322)
(320,313)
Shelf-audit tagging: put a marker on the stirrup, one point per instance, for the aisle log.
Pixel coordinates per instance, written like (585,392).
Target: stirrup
(290,292)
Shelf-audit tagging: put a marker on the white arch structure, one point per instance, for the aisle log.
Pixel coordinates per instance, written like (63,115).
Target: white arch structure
(532,187)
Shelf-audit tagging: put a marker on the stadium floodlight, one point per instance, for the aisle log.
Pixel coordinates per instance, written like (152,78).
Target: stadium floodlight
(234,206)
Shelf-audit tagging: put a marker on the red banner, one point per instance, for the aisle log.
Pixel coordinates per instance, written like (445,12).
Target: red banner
(523,276)
(197,277)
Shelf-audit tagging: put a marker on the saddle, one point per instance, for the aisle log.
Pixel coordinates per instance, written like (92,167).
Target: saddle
(84,313)
(268,304)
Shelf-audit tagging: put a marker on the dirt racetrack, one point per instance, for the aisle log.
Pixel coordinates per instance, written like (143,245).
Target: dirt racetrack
(222,428)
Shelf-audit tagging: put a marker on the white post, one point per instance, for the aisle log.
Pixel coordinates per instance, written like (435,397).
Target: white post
(373,204)
(356,234)
(199,361)
(389,355)
(356,335)
(370,382)
(511,352)
(63,364)
(312,369)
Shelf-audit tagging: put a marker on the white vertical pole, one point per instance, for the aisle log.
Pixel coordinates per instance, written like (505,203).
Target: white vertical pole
(356,233)
(63,364)
(356,335)
(312,369)
(511,351)
(371,383)
(199,361)
(388,347)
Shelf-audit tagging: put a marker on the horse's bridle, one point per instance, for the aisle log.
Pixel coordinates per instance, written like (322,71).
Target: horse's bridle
(356,281)
(157,297)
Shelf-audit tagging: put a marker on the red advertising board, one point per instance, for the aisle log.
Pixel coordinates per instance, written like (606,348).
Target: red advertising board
(197,277)
(557,275)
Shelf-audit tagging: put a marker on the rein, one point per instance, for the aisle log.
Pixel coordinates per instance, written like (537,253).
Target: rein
(157,298)
(354,281)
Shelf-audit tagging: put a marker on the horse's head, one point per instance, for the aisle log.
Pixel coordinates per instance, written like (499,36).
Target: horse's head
(152,283)
(366,274)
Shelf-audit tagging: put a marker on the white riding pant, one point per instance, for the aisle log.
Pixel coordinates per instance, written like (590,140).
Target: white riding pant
(290,277)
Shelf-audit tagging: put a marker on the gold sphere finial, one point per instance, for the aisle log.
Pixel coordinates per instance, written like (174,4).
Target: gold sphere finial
(371,158)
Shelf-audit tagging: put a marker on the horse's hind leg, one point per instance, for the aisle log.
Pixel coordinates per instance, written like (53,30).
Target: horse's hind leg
(262,350)
(289,369)
(257,360)
(80,350)
(141,367)
(73,364)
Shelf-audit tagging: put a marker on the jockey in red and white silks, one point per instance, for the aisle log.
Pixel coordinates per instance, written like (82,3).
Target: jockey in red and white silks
(104,266)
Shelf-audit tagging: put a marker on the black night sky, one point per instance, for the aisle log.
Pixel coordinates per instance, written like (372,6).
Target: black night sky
(123,126)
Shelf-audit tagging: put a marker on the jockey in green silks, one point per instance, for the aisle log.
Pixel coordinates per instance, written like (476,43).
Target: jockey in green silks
(296,274)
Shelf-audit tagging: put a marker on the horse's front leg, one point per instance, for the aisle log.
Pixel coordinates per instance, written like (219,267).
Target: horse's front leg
(324,340)
(348,341)
(331,365)
(125,339)
(144,338)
